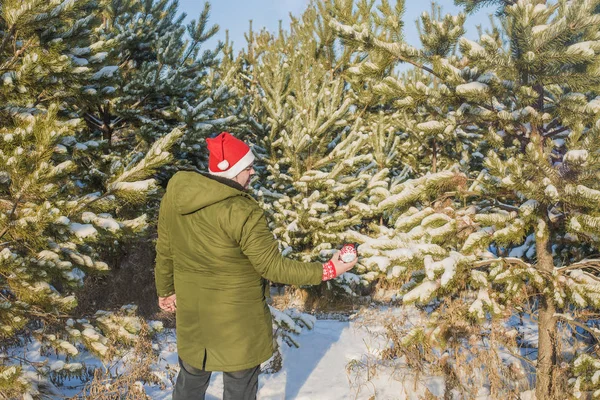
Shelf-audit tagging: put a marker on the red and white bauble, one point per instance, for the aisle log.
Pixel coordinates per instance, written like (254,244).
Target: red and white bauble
(348,253)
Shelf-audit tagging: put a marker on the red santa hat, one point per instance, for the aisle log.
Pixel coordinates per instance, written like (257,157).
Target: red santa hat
(228,156)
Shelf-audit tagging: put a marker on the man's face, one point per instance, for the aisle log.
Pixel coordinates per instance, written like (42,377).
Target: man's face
(243,178)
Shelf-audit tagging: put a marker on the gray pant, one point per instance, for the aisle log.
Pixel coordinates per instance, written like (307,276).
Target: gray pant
(192,383)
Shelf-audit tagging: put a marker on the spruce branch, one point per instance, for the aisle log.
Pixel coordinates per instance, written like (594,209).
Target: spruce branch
(9,65)
(7,36)
(590,263)
(506,260)
(555,132)
(505,207)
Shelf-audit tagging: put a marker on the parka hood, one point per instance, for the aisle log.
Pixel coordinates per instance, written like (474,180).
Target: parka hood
(192,191)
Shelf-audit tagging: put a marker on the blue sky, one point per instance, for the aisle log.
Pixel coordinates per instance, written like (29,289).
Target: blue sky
(233,15)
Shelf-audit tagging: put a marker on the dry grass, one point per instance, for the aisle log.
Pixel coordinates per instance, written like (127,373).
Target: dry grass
(275,364)
(474,358)
(125,378)
(315,300)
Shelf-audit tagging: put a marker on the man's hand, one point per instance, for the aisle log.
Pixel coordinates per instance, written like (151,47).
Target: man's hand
(340,266)
(168,304)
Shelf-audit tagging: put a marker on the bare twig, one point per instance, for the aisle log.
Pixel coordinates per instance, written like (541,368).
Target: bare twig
(10,217)
(506,260)
(571,321)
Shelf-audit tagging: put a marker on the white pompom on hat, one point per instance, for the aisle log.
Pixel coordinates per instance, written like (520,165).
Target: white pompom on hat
(228,156)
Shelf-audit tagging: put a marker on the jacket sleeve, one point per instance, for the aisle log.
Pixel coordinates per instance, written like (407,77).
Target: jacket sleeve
(163,270)
(259,245)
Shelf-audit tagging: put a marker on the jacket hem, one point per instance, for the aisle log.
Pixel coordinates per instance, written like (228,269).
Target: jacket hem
(233,368)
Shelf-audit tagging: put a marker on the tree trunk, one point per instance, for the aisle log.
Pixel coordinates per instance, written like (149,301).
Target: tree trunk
(106,127)
(434,157)
(546,381)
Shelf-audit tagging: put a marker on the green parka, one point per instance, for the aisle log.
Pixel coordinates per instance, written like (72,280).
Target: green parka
(213,250)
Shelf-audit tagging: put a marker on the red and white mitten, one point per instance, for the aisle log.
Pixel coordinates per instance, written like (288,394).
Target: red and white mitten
(329,271)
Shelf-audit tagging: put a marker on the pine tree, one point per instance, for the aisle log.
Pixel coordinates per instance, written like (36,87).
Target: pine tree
(308,134)
(526,110)
(53,226)
(145,77)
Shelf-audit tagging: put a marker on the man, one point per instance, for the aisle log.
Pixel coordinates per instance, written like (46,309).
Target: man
(214,252)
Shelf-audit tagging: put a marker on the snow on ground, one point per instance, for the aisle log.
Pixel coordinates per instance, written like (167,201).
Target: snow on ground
(319,368)
(338,359)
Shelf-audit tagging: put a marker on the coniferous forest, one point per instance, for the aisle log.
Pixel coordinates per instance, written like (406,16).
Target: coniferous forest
(467,172)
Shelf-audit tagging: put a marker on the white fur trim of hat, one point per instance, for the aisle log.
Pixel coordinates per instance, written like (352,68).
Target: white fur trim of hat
(236,168)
